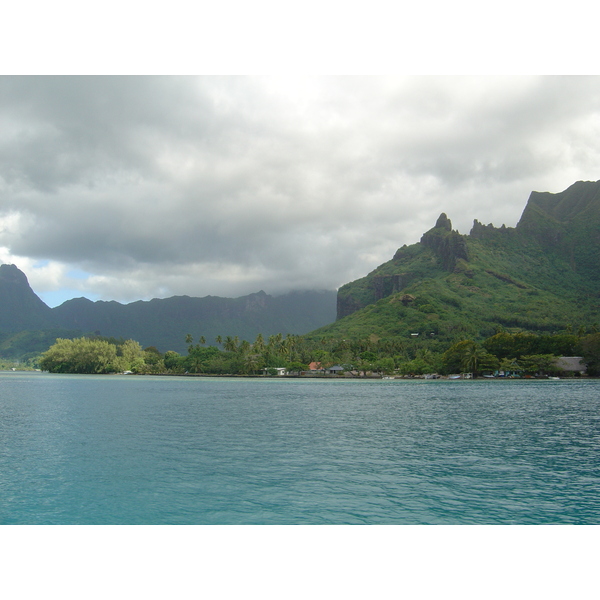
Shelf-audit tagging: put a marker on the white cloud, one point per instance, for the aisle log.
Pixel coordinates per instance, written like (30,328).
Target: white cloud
(226,185)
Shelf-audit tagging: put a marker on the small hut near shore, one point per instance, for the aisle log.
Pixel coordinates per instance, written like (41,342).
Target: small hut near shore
(570,365)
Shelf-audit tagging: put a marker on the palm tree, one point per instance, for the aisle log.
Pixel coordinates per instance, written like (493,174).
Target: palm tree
(219,340)
(196,365)
(251,363)
(259,343)
(284,350)
(289,345)
(474,356)
(229,344)
(470,357)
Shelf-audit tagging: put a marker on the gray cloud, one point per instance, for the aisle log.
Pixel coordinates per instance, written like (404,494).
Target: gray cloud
(156,186)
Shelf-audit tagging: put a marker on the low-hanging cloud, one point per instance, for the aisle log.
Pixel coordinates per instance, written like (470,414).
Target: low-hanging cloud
(156,186)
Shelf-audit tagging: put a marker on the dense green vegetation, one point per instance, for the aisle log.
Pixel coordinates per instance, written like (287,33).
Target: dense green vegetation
(519,353)
(540,277)
(8,365)
(25,347)
(85,355)
(494,290)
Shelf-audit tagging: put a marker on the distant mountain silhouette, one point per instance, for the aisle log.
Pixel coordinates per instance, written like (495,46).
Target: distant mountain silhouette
(20,308)
(164,323)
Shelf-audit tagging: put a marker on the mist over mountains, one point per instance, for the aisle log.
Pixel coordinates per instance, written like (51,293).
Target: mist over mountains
(541,276)
(164,323)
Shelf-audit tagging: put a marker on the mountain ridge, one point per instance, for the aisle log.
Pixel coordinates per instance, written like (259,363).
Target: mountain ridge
(163,322)
(541,275)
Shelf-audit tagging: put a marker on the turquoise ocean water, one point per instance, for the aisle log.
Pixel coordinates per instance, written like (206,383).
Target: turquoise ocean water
(168,450)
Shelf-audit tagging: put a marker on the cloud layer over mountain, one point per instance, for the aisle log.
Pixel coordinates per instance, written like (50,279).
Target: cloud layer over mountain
(130,188)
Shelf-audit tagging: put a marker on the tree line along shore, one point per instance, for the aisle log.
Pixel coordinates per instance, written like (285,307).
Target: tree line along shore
(521,354)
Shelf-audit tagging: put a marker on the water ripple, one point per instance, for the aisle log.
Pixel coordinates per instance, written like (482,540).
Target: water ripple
(144,450)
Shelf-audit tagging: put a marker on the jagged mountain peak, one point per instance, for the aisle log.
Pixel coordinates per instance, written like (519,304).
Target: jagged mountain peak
(443,222)
(538,276)
(11,273)
(20,307)
(579,198)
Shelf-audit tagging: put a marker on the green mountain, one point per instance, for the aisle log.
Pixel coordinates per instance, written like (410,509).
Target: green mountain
(164,323)
(28,326)
(542,276)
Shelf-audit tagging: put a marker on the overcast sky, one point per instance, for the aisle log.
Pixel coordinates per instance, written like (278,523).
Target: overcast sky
(127,188)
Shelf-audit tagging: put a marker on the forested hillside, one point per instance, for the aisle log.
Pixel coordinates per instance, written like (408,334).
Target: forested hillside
(540,277)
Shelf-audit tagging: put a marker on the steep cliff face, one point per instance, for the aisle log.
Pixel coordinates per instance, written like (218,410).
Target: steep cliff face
(448,245)
(20,308)
(440,249)
(384,285)
(540,275)
(567,224)
(489,232)
(375,288)
(582,199)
